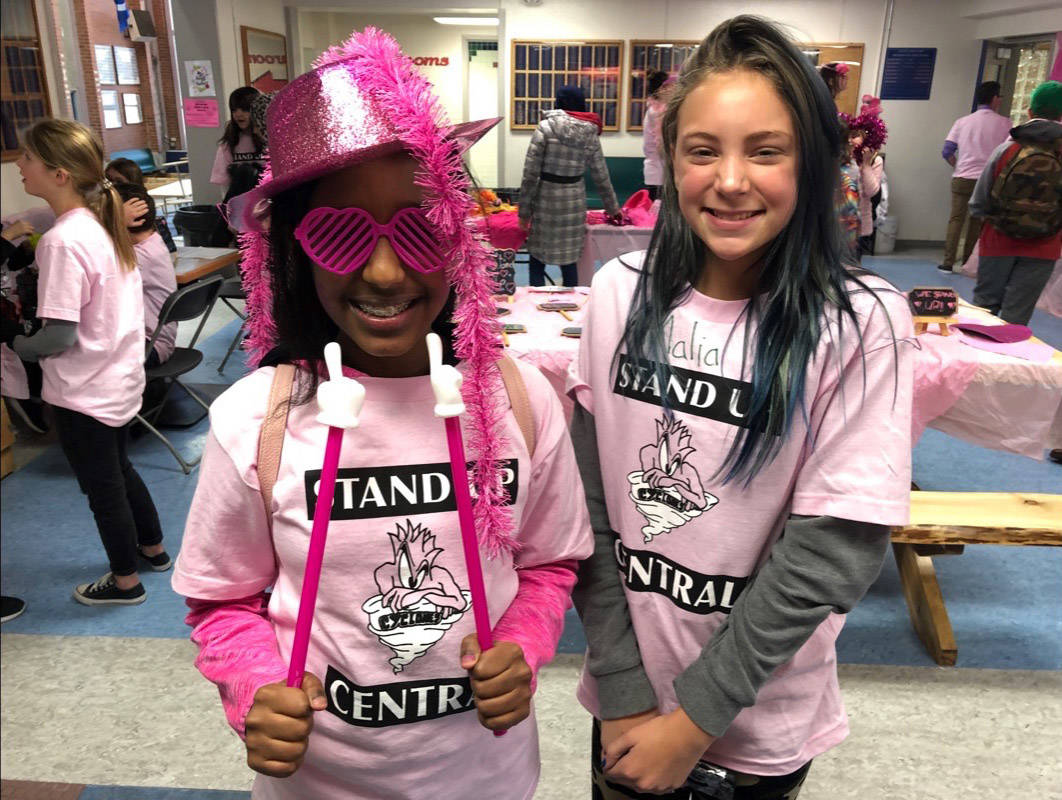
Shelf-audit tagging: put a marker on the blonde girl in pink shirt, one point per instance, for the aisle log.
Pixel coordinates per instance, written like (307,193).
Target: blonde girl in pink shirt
(743,431)
(91,348)
(360,234)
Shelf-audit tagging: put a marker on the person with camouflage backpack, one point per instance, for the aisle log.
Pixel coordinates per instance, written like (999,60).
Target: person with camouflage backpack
(1019,194)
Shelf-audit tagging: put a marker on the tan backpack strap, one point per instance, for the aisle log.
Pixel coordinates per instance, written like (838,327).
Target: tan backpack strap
(517,391)
(271,436)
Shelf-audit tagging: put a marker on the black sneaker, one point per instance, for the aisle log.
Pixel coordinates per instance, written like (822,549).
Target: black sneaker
(105,592)
(946,269)
(10,607)
(159,563)
(31,412)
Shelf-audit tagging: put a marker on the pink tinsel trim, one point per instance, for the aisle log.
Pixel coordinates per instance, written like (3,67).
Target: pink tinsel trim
(381,68)
(257,285)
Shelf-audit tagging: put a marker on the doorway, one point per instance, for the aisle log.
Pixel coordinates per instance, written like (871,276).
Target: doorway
(481,96)
(1019,65)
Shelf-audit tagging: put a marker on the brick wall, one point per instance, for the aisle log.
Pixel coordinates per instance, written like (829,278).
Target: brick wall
(97,23)
(163,26)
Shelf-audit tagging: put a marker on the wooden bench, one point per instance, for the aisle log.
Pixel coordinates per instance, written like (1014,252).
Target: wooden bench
(943,523)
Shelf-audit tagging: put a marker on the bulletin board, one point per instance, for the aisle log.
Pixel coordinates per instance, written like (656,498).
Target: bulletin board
(541,67)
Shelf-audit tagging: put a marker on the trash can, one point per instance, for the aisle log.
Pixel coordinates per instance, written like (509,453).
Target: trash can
(198,224)
(885,241)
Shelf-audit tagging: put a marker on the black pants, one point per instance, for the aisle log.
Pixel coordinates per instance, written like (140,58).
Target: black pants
(537,273)
(749,787)
(34,378)
(125,514)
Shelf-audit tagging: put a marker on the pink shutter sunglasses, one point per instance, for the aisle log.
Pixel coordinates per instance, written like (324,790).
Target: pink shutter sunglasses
(341,240)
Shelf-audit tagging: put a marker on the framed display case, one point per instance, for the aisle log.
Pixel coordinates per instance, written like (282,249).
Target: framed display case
(539,68)
(645,57)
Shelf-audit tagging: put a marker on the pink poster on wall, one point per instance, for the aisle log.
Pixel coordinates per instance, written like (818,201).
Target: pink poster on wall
(201,112)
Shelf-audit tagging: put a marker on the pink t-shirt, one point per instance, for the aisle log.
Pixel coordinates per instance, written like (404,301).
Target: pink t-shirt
(245,150)
(102,374)
(160,281)
(688,544)
(977,135)
(393,602)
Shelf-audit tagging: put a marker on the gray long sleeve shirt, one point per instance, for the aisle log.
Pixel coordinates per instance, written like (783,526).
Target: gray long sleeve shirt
(819,565)
(56,336)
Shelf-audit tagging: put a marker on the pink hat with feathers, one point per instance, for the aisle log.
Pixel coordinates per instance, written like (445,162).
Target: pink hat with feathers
(364,99)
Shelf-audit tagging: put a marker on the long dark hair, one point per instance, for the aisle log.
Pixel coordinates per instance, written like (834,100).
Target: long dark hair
(802,278)
(303,327)
(241,99)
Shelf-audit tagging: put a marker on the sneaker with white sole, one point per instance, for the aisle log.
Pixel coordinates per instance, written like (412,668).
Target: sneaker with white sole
(159,562)
(10,607)
(105,592)
(945,269)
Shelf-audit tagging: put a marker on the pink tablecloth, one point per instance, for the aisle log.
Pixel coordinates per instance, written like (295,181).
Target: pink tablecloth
(988,399)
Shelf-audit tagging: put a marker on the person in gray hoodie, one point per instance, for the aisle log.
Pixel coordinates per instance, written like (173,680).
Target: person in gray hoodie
(1022,237)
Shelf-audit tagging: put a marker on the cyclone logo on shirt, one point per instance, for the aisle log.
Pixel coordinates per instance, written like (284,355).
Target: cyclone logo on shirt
(419,600)
(667,490)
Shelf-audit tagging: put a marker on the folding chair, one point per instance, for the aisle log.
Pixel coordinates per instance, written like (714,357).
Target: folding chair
(187,303)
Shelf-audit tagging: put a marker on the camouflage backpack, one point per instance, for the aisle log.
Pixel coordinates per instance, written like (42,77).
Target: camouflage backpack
(1026,195)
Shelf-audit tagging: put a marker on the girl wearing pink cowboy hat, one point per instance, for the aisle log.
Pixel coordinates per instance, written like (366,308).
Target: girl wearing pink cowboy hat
(360,234)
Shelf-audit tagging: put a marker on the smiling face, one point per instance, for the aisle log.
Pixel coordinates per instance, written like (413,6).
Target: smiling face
(241,118)
(735,169)
(384,309)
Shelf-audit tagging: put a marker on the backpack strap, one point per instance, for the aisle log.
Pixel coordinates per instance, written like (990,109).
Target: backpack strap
(271,436)
(517,391)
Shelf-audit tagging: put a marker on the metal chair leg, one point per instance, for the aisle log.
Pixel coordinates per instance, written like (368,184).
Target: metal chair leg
(193,395)
(232,346)
(186,466)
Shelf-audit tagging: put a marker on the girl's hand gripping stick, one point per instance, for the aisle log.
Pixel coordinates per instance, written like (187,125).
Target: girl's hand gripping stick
(339,402)
(446,383)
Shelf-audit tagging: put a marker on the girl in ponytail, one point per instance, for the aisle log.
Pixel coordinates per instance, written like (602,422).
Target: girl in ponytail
(71,148)
(91,347)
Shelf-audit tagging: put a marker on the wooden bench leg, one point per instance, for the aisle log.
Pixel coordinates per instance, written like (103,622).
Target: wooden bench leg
(925,603)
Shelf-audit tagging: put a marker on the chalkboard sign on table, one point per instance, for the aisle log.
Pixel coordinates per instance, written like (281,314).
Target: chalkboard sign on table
(933,301)
(504,272)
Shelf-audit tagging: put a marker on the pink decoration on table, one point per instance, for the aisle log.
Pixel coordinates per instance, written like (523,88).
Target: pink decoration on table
(1026,350)
(340,399)
(502,230)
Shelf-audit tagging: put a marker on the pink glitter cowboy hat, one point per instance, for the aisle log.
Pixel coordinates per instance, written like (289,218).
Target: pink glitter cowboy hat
(333,117)
(364,99)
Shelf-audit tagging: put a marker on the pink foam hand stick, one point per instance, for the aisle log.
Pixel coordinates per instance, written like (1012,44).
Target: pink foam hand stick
(446,383)
(339,402)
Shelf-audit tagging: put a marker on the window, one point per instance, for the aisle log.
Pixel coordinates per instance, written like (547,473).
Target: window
(540,68)
(125,60)
(105,63)
(112,115)
(23,93)
(647,57)
(131,105)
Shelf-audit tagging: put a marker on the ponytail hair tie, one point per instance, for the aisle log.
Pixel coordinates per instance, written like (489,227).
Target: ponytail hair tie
(106,184)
